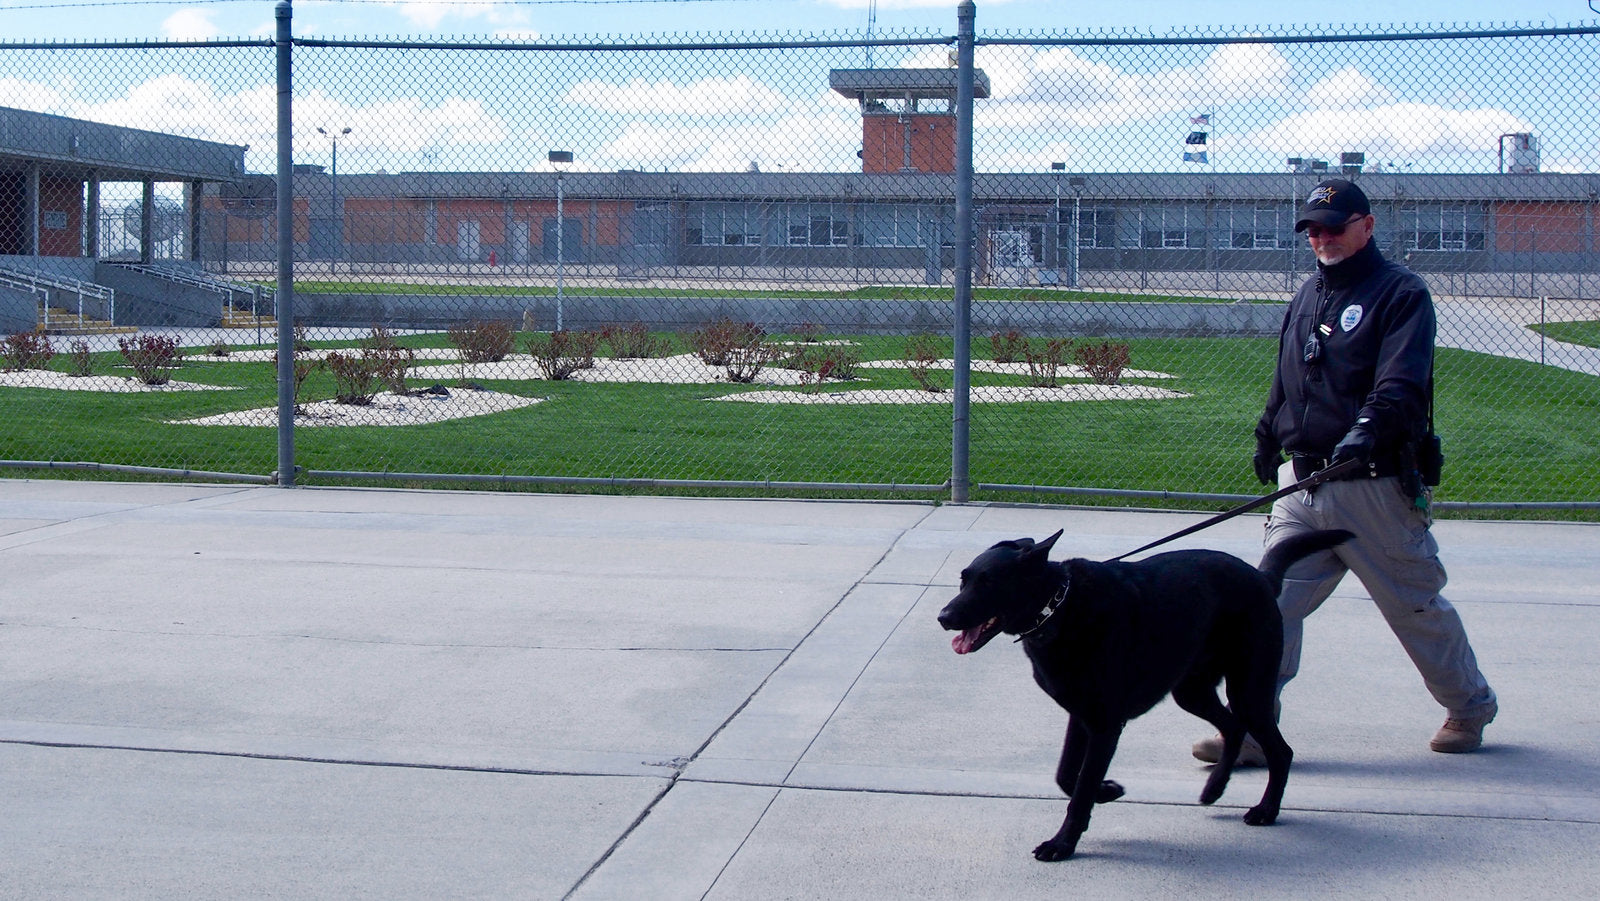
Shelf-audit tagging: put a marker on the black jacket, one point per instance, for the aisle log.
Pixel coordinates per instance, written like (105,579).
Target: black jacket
(1374,322)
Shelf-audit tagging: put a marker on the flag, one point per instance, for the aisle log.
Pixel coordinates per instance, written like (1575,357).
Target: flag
(1202,119)
(1195,157)
(1195,137)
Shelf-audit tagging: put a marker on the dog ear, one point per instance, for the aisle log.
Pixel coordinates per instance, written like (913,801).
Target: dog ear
(1042,548)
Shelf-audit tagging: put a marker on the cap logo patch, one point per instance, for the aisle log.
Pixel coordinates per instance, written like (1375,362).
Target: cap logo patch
(1323,194)
(1351,317)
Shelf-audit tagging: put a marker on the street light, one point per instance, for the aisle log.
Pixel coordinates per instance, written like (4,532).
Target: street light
(338,215)
(1056,169)
(1077,182)
(560,159)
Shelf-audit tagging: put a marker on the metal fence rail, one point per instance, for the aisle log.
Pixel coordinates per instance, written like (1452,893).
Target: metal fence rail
(1006,266)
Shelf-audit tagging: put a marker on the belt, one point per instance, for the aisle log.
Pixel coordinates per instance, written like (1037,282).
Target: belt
(1305,465)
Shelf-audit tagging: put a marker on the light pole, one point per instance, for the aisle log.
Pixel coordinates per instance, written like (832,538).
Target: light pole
(560,159)
(1056,169)
(1077,182)
(338,214)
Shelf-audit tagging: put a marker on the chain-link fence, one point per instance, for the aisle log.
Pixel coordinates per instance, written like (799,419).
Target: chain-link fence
(738,265)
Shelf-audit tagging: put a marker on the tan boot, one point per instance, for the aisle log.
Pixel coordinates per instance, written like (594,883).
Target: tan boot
(1209,750)
(1459,735)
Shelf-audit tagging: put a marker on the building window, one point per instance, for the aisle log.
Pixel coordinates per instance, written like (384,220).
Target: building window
(1097,228)
(1441,226)
(897,224)
(815,224)
(732,224)
(1175,226)
(1253,227)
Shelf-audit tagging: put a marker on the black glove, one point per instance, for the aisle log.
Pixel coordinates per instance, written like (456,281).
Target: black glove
(1266,462)
(1357,445)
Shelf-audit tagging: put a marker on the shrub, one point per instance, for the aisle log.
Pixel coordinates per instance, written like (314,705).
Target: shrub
(302,371)
(380,339)
(922,351)
(715,344)
(1045,361)
(153,357)
(634,342)
(218,348)
(25,350)
(747,352)
(818,364)
(562,353)
(391,365)
(483,342)
(353,375)
(82,363)
(1008,347)
(1104,361)
(808,332)
(303,367)
(388,360)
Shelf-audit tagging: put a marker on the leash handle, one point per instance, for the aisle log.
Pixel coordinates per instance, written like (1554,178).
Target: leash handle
(1311,481)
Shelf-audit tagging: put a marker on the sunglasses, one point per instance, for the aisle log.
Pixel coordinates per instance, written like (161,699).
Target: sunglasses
(1331,231)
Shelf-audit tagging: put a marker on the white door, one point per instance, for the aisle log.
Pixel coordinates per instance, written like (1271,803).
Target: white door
(467,232)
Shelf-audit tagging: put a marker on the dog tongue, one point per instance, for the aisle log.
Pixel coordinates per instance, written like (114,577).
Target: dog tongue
(967,640)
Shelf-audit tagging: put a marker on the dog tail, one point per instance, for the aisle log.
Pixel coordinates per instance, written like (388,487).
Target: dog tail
(1283,555)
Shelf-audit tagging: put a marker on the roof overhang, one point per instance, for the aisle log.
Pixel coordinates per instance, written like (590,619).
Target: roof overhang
(82,149)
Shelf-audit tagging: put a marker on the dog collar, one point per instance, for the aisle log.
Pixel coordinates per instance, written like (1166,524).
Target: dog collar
(1049,610)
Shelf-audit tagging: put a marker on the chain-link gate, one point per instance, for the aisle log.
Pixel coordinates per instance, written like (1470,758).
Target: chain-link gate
(730,265)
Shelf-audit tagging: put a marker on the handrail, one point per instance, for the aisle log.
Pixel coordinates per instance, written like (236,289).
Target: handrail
(40,284)
(205,281)
(63,283)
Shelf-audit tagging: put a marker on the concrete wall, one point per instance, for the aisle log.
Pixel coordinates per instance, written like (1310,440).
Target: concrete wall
(19,311)
(148,301)
(838,316)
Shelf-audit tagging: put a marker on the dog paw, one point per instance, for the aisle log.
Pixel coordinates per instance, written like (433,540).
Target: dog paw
(1054,850)
(1110,790)
(1213,790)
(1261,815)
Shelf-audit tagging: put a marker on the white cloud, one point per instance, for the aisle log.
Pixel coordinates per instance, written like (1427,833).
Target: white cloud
(189,25)
(706,97)
(1346,88)
(817,140)
(1058,87)
(1400,130)
(180,105)
(31,95)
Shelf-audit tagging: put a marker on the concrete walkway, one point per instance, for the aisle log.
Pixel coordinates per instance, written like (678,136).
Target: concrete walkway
(224,692)
(1503,326)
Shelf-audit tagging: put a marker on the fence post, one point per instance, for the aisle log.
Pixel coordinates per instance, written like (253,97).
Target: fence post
(960,439)
(284,13)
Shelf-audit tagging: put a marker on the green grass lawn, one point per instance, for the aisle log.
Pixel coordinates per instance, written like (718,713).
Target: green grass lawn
(1513,431)
(1585,332)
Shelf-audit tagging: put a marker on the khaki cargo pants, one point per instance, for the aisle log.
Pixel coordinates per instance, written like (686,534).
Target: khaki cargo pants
(1397,560)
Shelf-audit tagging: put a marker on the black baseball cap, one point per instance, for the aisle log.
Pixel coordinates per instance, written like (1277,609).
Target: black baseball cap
(1332,202)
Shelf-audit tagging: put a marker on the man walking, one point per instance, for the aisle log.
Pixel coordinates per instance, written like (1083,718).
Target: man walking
(1354,381)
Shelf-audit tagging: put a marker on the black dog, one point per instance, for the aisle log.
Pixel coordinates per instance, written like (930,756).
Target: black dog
(1109,640)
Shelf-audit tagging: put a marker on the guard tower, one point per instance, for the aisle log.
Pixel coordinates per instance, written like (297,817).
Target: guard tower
(908,116)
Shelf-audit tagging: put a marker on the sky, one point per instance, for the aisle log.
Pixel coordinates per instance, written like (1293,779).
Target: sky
(530,19)
(1438,107)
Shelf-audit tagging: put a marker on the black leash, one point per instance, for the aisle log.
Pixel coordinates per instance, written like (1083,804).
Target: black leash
(1310,481)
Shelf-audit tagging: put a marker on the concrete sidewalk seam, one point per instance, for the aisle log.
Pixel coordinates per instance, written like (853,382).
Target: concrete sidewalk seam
(678,773)
(674,765)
